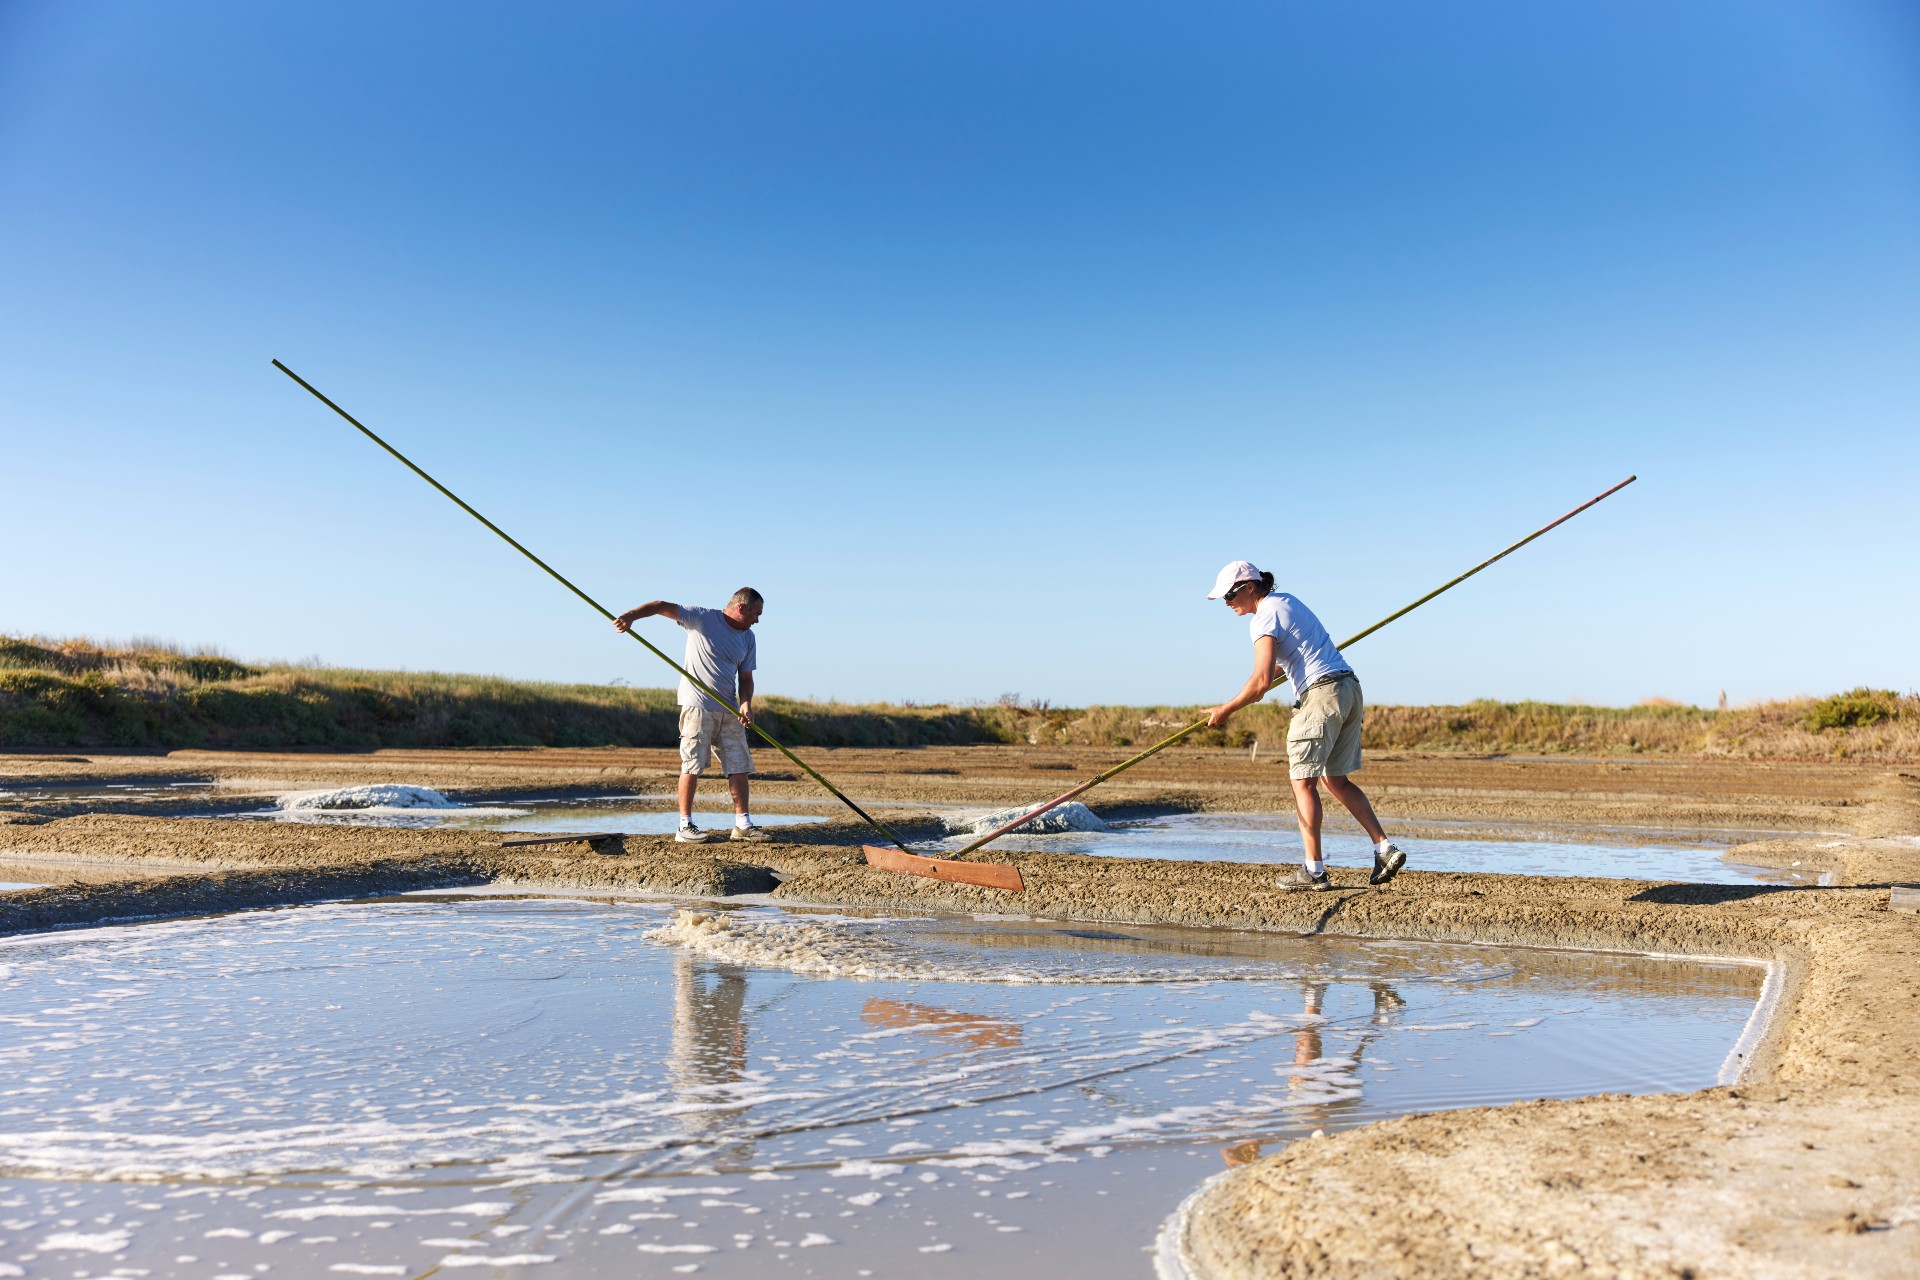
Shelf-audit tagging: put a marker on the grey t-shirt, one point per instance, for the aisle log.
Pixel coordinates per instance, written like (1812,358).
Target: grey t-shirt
(716,652)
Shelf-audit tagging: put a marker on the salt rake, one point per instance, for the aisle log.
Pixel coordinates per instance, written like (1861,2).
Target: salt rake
(1197,725)
(988,874)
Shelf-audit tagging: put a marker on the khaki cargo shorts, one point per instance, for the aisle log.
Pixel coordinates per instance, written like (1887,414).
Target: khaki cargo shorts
(1324,738)
(704,730)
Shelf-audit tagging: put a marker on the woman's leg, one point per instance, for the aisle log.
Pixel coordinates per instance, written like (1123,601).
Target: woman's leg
(1348,793)
(1306,807)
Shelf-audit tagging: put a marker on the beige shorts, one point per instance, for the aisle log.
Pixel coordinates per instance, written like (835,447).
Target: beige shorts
(1324,738)
(704,730)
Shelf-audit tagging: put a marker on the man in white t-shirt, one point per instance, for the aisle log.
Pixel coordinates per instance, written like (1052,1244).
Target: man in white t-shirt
(1323,739)
(721,652)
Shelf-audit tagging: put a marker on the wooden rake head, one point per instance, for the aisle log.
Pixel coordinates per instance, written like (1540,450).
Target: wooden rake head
(988,875)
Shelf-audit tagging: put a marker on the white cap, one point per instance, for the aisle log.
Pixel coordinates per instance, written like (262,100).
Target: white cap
(1232,576)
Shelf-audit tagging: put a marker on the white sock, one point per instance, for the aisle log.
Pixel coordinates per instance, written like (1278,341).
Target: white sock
(1381,846)
(685,822)
(1317,868)
(743,820)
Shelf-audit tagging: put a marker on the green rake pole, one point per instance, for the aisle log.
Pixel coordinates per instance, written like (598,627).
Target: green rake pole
(1168,741)
(557,576)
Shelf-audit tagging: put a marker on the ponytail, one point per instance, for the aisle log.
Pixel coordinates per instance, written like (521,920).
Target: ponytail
(1266,584)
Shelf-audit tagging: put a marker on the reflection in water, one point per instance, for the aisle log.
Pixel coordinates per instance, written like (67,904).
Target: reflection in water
(1307,1051)
(1307,1081)
(1241,1153)
(974,1029)
(709,1048)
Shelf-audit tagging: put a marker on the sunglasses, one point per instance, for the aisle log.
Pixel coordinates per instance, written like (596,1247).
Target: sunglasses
(1238,587)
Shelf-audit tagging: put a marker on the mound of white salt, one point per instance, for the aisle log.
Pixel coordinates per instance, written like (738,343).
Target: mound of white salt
(1071,816)
(385,795)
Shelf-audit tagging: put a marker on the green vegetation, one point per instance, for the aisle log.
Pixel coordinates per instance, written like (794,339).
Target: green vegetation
(78,693)
(1855,709)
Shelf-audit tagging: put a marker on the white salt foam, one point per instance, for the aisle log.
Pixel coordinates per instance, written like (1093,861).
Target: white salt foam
(87,1242)
(800,946)
(1071,816)
(385,795)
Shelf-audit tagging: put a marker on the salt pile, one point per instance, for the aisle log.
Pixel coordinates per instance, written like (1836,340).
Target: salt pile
(1071,816)
(385,795)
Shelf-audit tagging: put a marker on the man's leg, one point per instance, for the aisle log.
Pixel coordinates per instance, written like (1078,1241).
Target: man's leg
(695,743)
(1348,793)
(693,758)
(737,760)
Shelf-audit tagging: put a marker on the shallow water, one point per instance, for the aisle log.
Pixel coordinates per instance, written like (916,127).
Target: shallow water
(74,792)
(1223,837)
(1274,838)
(628,820)
(623,814)
(380,1088)
(10,886)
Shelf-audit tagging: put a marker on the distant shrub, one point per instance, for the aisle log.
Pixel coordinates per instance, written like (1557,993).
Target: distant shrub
(1855,709)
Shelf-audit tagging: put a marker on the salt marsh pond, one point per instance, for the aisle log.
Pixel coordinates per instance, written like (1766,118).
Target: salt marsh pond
(576,1087)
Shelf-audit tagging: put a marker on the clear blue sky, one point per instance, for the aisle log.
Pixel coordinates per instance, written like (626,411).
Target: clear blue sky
(976,335)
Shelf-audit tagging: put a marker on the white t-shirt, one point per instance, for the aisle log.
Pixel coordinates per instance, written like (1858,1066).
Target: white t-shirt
(716,652)
(1302,645)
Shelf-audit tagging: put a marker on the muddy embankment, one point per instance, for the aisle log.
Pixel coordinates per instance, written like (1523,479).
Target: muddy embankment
(1809,1165)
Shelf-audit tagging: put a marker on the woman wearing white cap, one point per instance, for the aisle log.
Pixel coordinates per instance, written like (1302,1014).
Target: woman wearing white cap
(1323,740)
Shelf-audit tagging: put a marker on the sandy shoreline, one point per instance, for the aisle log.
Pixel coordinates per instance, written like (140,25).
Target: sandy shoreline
(1808,1166)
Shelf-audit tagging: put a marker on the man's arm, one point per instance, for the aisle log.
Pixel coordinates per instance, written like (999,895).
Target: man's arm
(665,607)
(746,697)
(1264,660)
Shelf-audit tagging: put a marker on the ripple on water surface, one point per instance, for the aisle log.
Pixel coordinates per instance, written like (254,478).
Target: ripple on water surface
(1274,838)
(380,1088)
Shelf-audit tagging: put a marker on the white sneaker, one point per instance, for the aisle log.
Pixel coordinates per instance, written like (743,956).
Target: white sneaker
(690,834)
(749,833)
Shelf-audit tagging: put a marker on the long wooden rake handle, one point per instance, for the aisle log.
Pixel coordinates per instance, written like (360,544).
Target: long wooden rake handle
(1168,741)
(556,575)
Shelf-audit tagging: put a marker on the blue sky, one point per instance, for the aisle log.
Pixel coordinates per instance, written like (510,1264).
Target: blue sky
(976,335)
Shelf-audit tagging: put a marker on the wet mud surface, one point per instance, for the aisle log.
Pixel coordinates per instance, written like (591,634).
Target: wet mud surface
(1809,1166)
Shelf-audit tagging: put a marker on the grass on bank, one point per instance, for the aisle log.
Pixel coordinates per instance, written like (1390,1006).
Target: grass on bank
(146,694)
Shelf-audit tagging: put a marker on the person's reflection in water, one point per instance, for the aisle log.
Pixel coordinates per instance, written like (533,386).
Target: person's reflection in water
(976,1029)
(1309,1049)
(709,1050)
(1386,1003)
